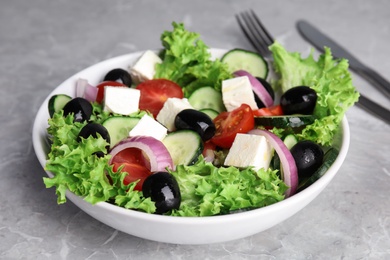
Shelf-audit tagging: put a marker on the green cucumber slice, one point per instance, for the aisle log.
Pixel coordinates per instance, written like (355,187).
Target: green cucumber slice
(210,112)
(207,97)
(252,62)
(118,127)
(290,121)
(184,146)
(329,157)
(57,102)
(290,140)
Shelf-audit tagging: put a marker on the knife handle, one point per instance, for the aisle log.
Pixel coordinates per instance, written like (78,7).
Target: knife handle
(374,108)
(377,80)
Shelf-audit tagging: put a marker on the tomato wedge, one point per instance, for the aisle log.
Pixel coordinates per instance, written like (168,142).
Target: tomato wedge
(100,87)
(131,155)
(155,92)
(134,172)
(269,111)
(134,163)
(229,124)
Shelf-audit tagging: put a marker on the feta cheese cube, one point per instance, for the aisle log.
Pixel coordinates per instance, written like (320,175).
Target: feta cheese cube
(147,126)
(120,100)
(237,91)
(144,68)
(171,108)
(250,150)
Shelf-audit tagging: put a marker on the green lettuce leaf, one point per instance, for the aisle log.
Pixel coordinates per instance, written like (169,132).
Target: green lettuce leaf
(76,167)
(187,61)
(331,80)
(208,190)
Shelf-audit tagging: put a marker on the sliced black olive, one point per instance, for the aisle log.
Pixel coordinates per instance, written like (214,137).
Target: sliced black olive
(80,107)
(191,119)
(269,89)
(120,75)
(163,189)
(93,129)
(308,157)
(298,100)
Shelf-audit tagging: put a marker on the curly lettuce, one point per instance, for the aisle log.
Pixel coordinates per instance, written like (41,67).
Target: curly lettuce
(187,61)
(208,190)
(77,168)
(331,80)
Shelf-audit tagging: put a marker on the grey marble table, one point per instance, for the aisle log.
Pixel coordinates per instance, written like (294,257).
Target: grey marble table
(42,42)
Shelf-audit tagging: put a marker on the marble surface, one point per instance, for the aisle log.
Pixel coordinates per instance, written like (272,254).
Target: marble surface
(42,42)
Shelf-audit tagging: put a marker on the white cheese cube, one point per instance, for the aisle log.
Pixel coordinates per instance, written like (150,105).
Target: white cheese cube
(237,91)
(120,100)
(147,126)
(171,108)
(250,150)
(144,68)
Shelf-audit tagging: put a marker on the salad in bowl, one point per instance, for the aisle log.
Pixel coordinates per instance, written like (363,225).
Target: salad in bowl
(192,139)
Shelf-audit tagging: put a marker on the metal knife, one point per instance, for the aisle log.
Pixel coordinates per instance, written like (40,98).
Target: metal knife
(319,40)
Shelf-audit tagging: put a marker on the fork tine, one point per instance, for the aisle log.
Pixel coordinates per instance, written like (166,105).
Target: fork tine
(270,39)
(248,34)
(254,30)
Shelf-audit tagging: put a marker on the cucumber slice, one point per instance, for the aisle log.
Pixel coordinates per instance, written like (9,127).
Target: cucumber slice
(329,157)
(207,97)
(119,127)
(57,102)
(252,62)
(293,121)
(210,112)
(185,146)
(290,140)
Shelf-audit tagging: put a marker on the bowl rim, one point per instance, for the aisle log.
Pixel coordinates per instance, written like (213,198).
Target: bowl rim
(311,191)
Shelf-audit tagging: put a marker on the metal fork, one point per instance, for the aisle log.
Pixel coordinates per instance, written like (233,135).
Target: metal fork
(260,39)
(255,32)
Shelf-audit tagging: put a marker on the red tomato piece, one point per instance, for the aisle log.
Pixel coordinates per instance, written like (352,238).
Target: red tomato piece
(131,155)
(100,87)
(229,124)
(155,92)
(134,172)
(269,111)
(134,163)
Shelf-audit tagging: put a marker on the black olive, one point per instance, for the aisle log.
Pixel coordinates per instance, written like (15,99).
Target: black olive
(80,107)
(92,129)
(308,157)
(163,189)
(191,119)
(298,100)
(269,89)
(120,75)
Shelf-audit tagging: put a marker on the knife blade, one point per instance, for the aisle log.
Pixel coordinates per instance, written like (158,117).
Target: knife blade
(319,40)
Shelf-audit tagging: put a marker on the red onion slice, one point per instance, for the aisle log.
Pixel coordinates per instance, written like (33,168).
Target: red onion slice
(209,155)
(290,172)
(257,87)
(155,150)
(85,90)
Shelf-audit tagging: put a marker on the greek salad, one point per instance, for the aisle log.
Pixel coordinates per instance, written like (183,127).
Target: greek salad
(179,133)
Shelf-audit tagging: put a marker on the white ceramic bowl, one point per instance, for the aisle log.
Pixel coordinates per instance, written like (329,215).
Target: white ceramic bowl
(180,230)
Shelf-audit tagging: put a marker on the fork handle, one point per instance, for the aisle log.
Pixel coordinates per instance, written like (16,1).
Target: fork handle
(377,80)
